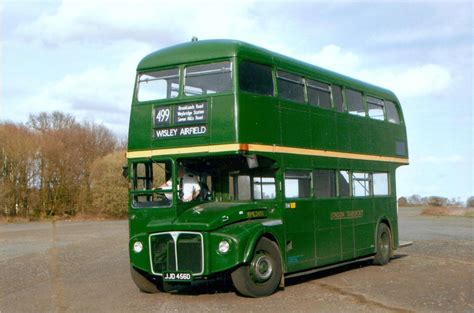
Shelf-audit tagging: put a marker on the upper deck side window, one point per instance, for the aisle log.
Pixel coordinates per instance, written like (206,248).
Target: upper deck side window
(290,86)
(255,78)
(375,108)
(209,78)
(337,98)
(319,94)
(392,112)
(355,104)
(158,85)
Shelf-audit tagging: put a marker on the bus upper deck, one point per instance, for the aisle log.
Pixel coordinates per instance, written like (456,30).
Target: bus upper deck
(217,95)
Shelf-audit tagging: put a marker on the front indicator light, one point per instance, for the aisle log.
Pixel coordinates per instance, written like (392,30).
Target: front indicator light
(224,247)
(137,247)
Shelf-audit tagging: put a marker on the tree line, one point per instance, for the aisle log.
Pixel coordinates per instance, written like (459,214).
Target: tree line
(435,201)
(54,165)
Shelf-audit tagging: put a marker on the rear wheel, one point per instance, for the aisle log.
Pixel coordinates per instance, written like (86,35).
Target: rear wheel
(384,245)
(262,276)
(142,282)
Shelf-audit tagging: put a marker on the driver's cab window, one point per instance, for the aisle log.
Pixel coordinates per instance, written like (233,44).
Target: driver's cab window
(151,184)
(256,187)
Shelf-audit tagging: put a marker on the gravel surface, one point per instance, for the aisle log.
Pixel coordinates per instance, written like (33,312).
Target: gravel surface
(83,267)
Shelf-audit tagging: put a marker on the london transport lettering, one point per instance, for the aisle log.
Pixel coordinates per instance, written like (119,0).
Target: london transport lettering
(347,214)
(168,119)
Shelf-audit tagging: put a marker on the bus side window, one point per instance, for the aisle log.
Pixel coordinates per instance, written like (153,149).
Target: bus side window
(337,98)
(380,184)
(297,184)
(343,182)
(319,94)
(255,78)
(375,108)
(324,183)
(392,113)
(360,184)
(355,105)
(290,86)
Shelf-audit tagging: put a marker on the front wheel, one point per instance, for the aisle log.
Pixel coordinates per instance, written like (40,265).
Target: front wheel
(262,276)
(384,245)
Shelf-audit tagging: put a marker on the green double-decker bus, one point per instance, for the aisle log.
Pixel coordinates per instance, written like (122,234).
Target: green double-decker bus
(291,167)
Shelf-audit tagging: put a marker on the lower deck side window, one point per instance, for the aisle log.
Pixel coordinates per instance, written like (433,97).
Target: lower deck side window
(360,184)
(297,184)
(325,183)
(343,183)
(380,184)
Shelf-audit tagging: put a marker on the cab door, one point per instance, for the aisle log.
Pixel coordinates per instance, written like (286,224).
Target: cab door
(299,220)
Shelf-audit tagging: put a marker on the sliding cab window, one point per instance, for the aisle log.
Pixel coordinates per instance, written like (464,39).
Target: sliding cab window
(205,79)
(255,78)
(240,187)
(158,85)
(375,108)
(297,184)
(151,184)
(319,94)
(290,86)
(264,188)
(324,183)
(392,113)
(355,104)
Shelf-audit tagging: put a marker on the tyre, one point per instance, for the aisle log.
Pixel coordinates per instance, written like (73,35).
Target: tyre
(142,282)
(261,277)
(384,245)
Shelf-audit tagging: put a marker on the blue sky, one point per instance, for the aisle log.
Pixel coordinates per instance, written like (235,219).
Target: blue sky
(80,56)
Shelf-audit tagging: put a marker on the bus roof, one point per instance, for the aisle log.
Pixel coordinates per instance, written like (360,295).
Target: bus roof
(196,51)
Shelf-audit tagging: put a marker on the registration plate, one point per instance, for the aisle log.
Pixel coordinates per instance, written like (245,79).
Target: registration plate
(177,276)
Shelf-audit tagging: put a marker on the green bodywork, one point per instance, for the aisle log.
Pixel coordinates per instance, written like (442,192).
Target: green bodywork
(307,235)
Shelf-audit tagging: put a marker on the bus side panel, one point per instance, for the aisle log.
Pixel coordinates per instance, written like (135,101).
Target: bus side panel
(295,125)
(347,228)
(327,231)
(259,120)
(364,226)
(140,132)
(222,120)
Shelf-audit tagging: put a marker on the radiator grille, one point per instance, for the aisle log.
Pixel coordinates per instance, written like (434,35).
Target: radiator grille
(176,251)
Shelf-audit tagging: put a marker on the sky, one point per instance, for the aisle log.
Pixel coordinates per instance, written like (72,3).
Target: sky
(80,57)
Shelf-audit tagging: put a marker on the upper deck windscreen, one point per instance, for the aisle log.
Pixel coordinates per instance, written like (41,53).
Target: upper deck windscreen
(202,79)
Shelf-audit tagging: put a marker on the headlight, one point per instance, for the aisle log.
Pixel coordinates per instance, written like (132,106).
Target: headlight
(224,247)
(137,247)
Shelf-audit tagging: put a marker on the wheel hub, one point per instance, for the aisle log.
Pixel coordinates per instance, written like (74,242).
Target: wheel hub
(261,268)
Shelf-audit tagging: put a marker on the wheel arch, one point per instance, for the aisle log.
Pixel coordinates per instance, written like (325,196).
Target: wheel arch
(268,233)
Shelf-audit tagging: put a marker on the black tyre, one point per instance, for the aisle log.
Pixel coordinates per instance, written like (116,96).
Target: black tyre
(262,276)
(384,245)
(142,282)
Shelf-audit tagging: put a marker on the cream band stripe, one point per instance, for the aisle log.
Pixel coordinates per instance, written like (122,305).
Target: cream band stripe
(264,148)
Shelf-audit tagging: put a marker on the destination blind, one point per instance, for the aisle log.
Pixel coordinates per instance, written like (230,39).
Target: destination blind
(182,120)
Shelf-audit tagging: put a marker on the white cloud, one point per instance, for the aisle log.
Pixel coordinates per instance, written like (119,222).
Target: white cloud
(100,94)
(334,58)
(409,82)
(405,81)
(436,159)
(142,20)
